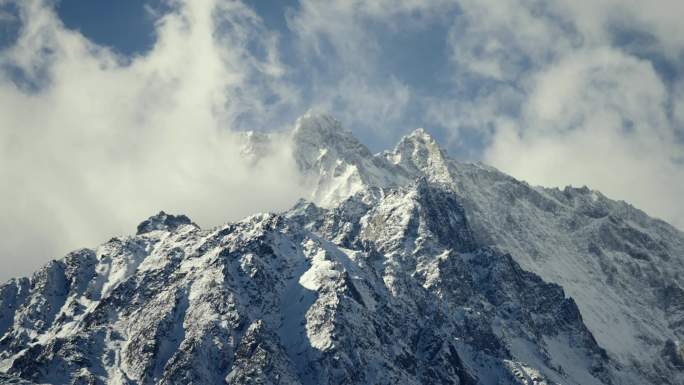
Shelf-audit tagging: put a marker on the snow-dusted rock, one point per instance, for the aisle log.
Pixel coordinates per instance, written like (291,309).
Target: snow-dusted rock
(336,163)
(403,267)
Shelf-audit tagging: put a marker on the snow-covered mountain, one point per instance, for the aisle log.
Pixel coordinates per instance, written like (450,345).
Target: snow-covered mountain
(405,267)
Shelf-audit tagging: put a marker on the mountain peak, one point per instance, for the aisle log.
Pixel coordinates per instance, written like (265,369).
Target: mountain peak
(421,134)
(319,126)
(420,139)
(408,267)
(317,134)
(418,152)
(163,221)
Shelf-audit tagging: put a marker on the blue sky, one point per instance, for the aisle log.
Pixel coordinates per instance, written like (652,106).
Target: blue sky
(124,25)
(111,110)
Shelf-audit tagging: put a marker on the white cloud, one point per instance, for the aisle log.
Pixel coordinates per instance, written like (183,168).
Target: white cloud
(565,104)
(588,122)
(597,19)
(378,107)
(104,142)
(505,39)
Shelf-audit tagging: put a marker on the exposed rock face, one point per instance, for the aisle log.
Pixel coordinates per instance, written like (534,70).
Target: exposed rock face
(404,267)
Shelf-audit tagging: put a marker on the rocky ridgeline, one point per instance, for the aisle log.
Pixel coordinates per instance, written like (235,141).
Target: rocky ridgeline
(402,267)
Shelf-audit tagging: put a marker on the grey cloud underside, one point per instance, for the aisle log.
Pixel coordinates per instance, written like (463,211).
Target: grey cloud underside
(402,267)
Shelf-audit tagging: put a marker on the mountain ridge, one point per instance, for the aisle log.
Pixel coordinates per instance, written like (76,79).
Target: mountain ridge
(405,266)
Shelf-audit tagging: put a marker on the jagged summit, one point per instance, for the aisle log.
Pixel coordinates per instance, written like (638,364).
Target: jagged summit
(337,164)
(318,135)
(320,125)
(403,267)
(419,153)
(419,134)
(163,221)
(341,165)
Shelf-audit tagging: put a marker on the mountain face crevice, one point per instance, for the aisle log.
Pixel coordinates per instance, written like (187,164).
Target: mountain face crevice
(402,267)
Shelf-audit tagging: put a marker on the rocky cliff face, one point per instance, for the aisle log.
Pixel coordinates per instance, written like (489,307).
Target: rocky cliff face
(402,267)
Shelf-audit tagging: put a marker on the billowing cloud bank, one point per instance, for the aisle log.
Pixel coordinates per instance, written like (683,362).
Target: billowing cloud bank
(595,90)
(553,92)
(92,143)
